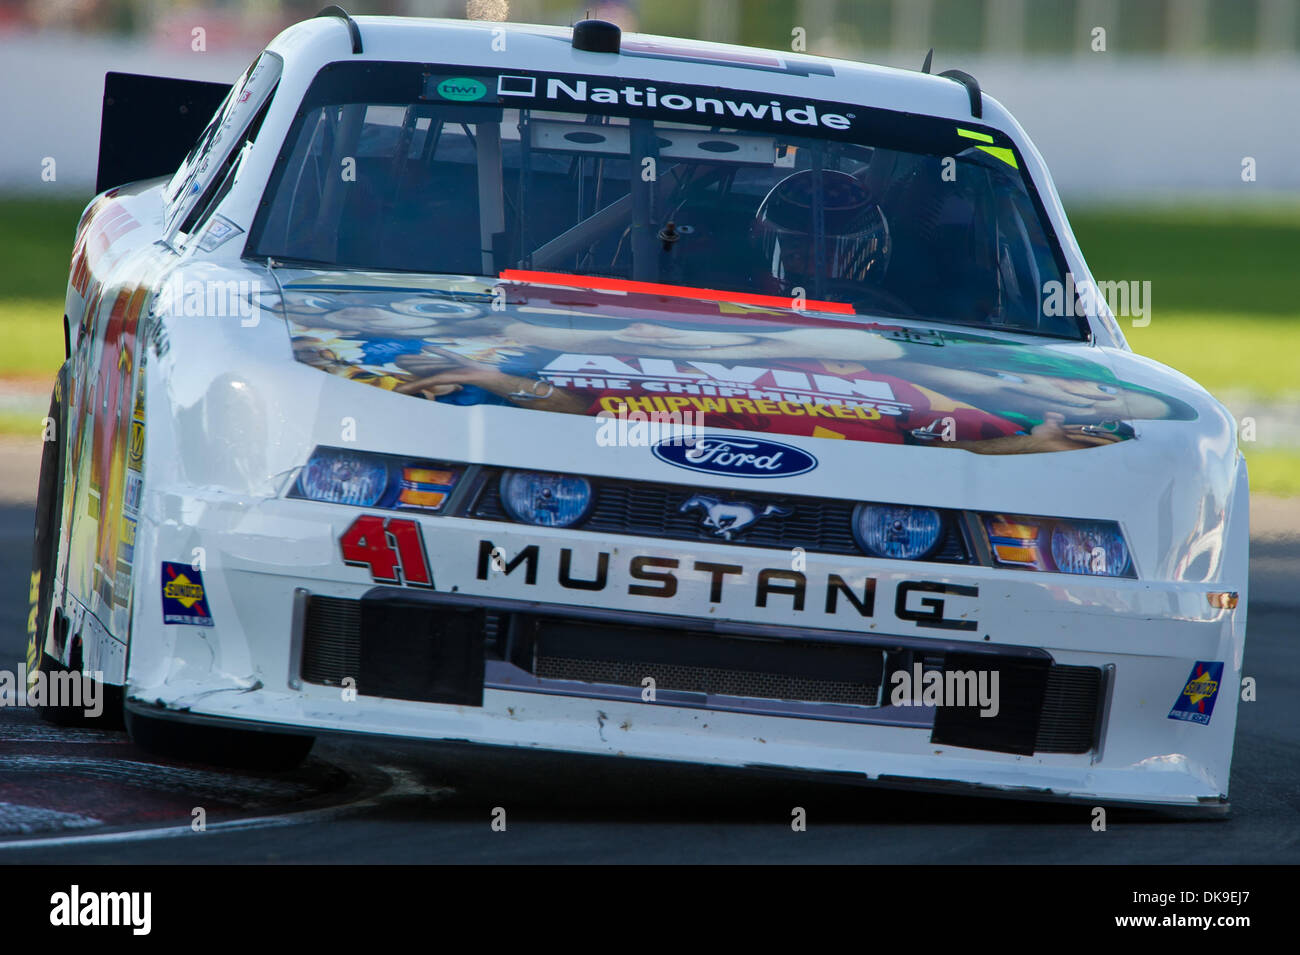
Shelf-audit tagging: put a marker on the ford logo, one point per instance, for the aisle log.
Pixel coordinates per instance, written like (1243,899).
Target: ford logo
(738,457)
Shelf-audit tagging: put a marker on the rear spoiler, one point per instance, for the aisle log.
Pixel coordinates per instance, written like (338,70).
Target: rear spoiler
(149,124)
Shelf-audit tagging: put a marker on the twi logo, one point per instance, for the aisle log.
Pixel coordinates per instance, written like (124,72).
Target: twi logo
(739,457)
(462,89)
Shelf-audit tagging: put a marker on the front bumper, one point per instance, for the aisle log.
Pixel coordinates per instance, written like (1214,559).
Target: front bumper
(266,558)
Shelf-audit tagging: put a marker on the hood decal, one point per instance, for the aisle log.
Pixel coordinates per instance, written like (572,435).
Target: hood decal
(715,365)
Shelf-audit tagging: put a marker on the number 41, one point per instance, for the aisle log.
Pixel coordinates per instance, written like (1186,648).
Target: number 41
(390,547)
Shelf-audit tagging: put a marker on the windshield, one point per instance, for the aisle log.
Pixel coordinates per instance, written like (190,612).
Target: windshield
(830,207)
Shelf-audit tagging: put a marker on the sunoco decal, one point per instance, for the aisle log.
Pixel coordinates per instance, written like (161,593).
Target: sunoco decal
(183,598)
(1196,703)
(737,457)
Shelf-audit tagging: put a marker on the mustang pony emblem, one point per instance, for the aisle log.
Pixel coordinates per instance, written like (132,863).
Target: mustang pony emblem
(731,517)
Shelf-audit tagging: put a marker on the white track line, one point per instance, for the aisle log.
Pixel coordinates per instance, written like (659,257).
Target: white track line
(400,783)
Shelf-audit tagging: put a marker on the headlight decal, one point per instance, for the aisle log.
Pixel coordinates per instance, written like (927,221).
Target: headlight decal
(1058,545)
(897,531)
(344,477)
(426,488)
(1094,547)
(368,479)
(545,500)
(1014,542)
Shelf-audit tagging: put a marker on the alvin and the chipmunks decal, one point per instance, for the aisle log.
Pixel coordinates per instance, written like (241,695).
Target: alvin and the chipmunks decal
(746,367)
(105,400)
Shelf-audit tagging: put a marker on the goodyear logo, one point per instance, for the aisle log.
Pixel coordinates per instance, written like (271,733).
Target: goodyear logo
(462,89)
(184,598)
(1196,703)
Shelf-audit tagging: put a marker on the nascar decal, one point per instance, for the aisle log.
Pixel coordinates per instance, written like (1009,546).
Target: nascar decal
(1196,703)
(183,598)
(752,368)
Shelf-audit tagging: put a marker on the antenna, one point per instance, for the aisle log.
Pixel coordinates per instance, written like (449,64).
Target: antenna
(353,30)
(972,90)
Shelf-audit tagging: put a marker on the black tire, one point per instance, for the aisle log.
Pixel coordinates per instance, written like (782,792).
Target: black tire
(49,513)
(109,696)
(217,745)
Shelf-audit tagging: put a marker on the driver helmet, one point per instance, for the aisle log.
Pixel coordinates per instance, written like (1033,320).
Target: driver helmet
(856,237)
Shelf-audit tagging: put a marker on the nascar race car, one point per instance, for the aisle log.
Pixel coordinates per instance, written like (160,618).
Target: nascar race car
(556,389)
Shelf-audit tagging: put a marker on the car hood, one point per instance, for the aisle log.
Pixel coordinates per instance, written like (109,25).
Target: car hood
(701,361)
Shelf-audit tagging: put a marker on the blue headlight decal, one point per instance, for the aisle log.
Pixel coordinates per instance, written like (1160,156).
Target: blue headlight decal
(1089,547)
(545,500)
(897,531)
(337,476)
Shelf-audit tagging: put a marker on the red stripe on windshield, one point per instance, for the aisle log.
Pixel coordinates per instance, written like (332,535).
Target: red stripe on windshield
(597,283)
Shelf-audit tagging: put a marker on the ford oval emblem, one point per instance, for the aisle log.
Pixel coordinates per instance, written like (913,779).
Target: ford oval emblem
(738,457)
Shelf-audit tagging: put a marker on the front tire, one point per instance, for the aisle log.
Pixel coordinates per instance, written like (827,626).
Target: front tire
(232,748)
(45,555)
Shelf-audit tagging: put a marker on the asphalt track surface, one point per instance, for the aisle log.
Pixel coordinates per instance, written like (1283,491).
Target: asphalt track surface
(79,796)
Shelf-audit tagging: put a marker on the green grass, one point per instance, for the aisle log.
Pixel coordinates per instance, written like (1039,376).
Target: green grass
(32,330)
(36,247)
(21,425)
(1215,258)
(1224,306)
(1225,351)
(1274,470)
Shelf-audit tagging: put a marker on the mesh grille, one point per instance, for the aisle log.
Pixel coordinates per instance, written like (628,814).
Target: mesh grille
(1069,717)
(332,641)
(1068,721)
(654,510)
(714,681)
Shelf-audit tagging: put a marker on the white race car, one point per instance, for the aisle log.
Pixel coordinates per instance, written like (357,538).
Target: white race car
(551,388)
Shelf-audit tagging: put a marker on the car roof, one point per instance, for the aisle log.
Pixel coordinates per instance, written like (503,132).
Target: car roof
(311,44)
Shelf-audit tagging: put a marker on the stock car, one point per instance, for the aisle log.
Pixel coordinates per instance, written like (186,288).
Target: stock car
(621,395)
